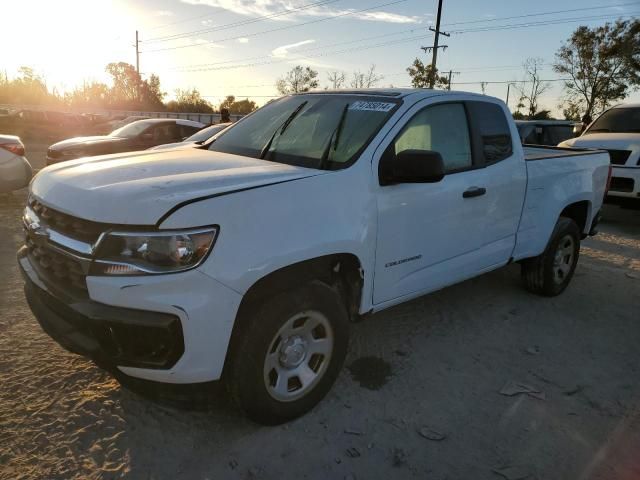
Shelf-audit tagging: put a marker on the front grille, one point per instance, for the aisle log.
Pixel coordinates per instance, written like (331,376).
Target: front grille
(56,268)
(620,184)
(619,157)
(77,228)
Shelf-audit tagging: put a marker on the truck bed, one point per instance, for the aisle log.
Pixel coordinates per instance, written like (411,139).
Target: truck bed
(566,176)
(541,152)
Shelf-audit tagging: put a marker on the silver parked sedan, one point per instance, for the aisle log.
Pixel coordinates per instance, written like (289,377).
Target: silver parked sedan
(15,170)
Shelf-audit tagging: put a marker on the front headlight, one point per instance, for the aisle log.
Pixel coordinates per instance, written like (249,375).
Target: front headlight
(145,253)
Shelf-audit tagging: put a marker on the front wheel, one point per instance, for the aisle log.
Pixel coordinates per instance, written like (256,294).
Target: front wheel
(550,273)
(288,353)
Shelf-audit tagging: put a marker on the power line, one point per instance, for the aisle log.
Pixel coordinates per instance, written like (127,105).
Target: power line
(538,24)
(240,23)
(323,19)
(366,47)
(387,4)
(412,30)
(288,59)
(311,49)
(540,14)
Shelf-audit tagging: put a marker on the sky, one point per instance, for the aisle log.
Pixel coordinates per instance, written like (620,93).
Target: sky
(241,47)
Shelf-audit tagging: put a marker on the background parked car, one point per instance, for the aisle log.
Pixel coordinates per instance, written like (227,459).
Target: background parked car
(197,138)
(545,132)
(618,131)
(138,135)
(114,124)
(15,170)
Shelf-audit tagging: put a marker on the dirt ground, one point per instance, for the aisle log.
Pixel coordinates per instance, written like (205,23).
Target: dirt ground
(420,396)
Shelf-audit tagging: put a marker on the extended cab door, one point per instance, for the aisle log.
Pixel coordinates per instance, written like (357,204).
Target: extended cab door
(498,152)
(435,234)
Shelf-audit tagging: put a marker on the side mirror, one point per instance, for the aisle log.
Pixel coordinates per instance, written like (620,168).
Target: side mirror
(411,166)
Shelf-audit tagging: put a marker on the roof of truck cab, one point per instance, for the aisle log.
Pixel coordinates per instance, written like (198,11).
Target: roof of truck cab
(627,105)
(393,92)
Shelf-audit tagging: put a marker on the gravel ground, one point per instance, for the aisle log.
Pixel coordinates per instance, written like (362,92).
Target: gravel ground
(420,396)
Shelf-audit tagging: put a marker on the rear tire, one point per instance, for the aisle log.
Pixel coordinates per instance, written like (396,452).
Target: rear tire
(550,273)
(287,353)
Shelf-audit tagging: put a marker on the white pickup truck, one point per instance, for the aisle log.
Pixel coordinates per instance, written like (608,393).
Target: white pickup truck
(618,131)
(245,258)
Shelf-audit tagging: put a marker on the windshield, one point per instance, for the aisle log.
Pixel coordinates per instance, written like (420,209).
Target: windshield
(131,130)
(206,133)
(617,120)
(322,121)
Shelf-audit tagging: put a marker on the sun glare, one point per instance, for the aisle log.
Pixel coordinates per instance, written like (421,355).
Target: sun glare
(70,41)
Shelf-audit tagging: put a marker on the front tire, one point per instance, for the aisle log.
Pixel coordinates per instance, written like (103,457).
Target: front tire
(550,273)
(288,352)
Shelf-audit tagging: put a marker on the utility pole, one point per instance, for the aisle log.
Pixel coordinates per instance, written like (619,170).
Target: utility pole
(507,100)
(137,53)
(451,72)
(137,45)
(436,46)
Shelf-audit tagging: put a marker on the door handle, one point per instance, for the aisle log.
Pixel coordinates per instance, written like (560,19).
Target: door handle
(474,192)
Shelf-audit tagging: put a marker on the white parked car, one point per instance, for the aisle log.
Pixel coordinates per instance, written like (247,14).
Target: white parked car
(247,260)
(15,170)
(618,131)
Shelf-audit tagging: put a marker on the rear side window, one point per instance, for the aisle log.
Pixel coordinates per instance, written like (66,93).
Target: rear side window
(187,131)
(492,137)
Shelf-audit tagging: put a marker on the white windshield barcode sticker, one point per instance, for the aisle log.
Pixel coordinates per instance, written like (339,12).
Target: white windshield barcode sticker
(372,106)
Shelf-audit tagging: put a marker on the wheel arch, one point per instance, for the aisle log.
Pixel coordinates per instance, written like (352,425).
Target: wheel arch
(342,271)
(579,212)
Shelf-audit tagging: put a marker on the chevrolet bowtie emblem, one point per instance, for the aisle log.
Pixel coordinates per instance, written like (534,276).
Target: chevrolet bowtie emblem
(38,233)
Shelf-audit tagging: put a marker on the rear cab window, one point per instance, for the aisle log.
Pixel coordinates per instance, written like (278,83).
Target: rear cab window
(492,140)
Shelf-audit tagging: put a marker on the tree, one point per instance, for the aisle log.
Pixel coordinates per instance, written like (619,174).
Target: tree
(532,87)
(130,91)
(240,107)
(336,79)
(541,115)
(93,94)
(571,110)
(602,63)
(298,79)
(189,101)
(151,95)
(365,80)
(422,74)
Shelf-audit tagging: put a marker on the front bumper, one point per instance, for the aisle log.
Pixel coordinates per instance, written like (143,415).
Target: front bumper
(625,182)
(166,328)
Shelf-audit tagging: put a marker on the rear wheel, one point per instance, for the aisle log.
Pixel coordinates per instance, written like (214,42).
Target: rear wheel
(550,273)
(287,353)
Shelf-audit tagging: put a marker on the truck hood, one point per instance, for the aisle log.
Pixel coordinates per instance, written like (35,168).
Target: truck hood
(138,188)
(615,141)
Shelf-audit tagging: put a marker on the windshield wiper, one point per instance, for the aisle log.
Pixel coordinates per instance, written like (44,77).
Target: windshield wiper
(334,138)
(281,128)
(593,130)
